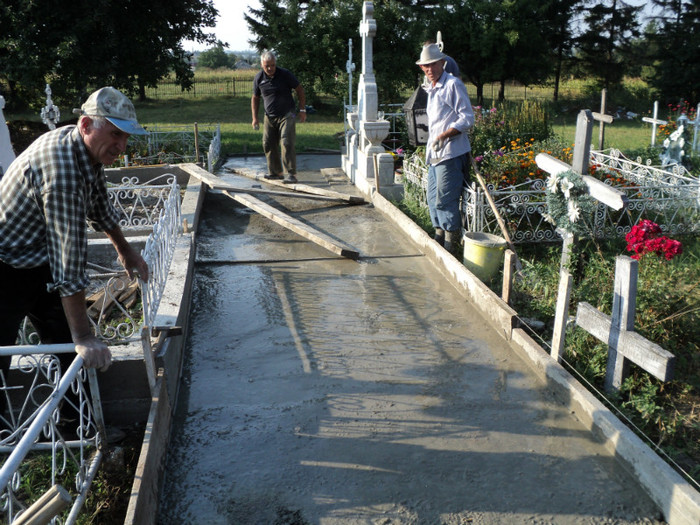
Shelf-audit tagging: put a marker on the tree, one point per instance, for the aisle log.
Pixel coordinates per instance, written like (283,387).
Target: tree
(216,57)
(91,43)
(560,14)
(677,45)
(311,39)
(605,45)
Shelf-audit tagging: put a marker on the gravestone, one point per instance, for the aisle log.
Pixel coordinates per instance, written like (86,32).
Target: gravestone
(598,190)
(7,154)
(684,121)
(50,114)
(674,145)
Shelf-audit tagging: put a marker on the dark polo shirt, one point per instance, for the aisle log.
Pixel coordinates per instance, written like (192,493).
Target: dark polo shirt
(276,91)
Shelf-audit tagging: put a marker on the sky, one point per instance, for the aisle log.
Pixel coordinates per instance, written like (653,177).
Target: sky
(230,25)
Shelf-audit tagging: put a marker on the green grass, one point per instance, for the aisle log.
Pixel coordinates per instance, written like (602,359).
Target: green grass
(625,135)
(321,129)
(234,114)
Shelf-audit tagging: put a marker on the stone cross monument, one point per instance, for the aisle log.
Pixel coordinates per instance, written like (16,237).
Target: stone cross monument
(365,162)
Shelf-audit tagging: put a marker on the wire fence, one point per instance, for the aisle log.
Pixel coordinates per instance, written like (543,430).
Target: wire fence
(203,88)
(221,86)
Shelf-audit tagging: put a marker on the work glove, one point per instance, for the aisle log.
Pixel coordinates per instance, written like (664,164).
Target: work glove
(437,145)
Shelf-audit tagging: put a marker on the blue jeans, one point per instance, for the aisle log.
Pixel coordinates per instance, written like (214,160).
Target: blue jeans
(445,182)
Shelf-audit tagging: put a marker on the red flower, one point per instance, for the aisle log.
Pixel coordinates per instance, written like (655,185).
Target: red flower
(645,237)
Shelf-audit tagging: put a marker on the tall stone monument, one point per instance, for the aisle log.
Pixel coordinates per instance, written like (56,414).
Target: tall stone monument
(365,161)
(7,154)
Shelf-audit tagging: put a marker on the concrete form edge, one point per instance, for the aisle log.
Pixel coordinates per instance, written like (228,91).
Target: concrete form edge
(677,499)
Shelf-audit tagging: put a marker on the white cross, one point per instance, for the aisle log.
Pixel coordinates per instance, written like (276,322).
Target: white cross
(654,122)
(596,189)
(50,114)
(617,331)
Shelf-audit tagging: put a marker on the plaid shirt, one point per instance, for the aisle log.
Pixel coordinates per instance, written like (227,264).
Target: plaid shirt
(46,196)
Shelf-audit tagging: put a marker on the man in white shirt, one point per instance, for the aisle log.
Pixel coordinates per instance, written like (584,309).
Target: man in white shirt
(450,116)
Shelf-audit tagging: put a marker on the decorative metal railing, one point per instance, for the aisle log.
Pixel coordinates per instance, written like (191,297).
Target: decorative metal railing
(139,204)
(158,253)
(214,150)
(36,407)
(669,198)
(172,144)
(119,307)
(49,410)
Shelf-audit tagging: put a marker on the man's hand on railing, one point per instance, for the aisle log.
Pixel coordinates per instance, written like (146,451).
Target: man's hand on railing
(134,264)
(95,353)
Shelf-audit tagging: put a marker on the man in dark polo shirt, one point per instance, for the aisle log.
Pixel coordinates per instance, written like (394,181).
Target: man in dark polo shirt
(275,85)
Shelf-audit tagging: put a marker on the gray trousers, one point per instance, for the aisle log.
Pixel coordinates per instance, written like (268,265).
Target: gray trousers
(279,133)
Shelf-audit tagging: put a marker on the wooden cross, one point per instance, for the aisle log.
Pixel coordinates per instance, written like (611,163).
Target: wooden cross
(598,190)
(624,345)
(601,133)
(654,122)
(582,152)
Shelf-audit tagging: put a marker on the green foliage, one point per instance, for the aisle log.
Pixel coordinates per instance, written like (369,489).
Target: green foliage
(668,312)
(604,47)
(497,127)
(216,58)
(128,44)
(311,39)
(673,51)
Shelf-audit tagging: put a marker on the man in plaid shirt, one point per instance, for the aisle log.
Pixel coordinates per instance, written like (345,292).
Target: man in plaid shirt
(46,196)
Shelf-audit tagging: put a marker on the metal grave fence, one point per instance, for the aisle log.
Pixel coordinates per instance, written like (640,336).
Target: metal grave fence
(174,144)
(54,411)
(668,198)
(68,431)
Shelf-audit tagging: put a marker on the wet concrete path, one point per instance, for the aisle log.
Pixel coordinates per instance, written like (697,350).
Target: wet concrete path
(320,390)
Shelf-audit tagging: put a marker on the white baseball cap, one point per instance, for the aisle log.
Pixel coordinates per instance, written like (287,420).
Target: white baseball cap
(113,105)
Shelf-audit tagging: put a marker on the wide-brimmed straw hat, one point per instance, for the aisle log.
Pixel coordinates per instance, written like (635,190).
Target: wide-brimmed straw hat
(430,53)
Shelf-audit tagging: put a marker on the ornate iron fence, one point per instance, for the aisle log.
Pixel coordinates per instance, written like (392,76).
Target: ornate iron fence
(36,414)
(68,428)
(118,307)
(173,144)
(671,199)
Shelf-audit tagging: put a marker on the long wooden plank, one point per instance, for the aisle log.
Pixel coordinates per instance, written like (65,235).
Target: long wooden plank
(648,355)
(259,191)
(293,224)
(216,183)
(143,502)
(350,199)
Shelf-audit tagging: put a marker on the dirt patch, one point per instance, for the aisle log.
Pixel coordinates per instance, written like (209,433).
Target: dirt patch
(24,132)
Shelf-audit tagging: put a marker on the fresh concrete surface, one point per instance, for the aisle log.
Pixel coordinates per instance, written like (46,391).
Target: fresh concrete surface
(318,389)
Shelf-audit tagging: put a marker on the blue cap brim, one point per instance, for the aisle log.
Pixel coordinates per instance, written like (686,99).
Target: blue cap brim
(128,126)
